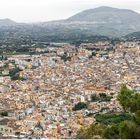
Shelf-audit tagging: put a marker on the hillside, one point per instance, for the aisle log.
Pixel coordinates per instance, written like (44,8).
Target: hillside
(107,15)
(7,22)
(135,35)
(82,27)
(105,21)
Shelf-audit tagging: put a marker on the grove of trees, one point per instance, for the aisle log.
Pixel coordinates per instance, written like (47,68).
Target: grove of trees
(122,126)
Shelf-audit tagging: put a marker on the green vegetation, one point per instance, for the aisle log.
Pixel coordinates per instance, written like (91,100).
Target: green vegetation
(101,97)
(3,57)
(79,106)
(14,74)
(117,126)
(124,97)
(111,132)
(65,58)
(108,119)
(104,97)
(129,100)
(4,113)
(17,77)
(94,98)
(92,132)
(132,36)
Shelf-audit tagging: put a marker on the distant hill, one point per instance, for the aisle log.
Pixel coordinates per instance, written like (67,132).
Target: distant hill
(135,35)
(7,22)
(107,15)
(105,21)
(87,26)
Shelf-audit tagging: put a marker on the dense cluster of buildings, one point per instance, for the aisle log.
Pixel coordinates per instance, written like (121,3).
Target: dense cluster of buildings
(41,104)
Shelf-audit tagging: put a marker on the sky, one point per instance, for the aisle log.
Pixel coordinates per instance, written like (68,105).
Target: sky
(47,10)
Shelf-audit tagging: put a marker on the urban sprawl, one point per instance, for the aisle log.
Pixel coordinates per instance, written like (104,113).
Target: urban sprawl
(50,94)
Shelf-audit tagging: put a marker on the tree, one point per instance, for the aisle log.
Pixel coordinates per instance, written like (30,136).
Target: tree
(112,118)
(137,132)
(79,106)
(4,113)
(92,132)
(135,102)
(120,126)
(111,132)
(124,130)
(124,97)
(94,98)
(101,97)
(127,130)
(104,97)
(137,117)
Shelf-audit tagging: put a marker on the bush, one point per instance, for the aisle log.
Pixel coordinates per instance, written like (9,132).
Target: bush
(112,118)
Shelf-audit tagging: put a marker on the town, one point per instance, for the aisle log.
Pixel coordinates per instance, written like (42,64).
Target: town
(55,90)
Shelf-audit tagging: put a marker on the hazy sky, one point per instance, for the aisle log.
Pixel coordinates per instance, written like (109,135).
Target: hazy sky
(46,10)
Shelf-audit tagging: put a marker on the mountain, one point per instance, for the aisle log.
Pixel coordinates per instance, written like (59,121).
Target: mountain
(7,22)
(107,15)
(135,35)
(107,21)
(101,22)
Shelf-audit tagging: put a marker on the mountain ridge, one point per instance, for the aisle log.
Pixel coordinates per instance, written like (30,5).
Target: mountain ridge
(101,21)
(103,12)
(7,22)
